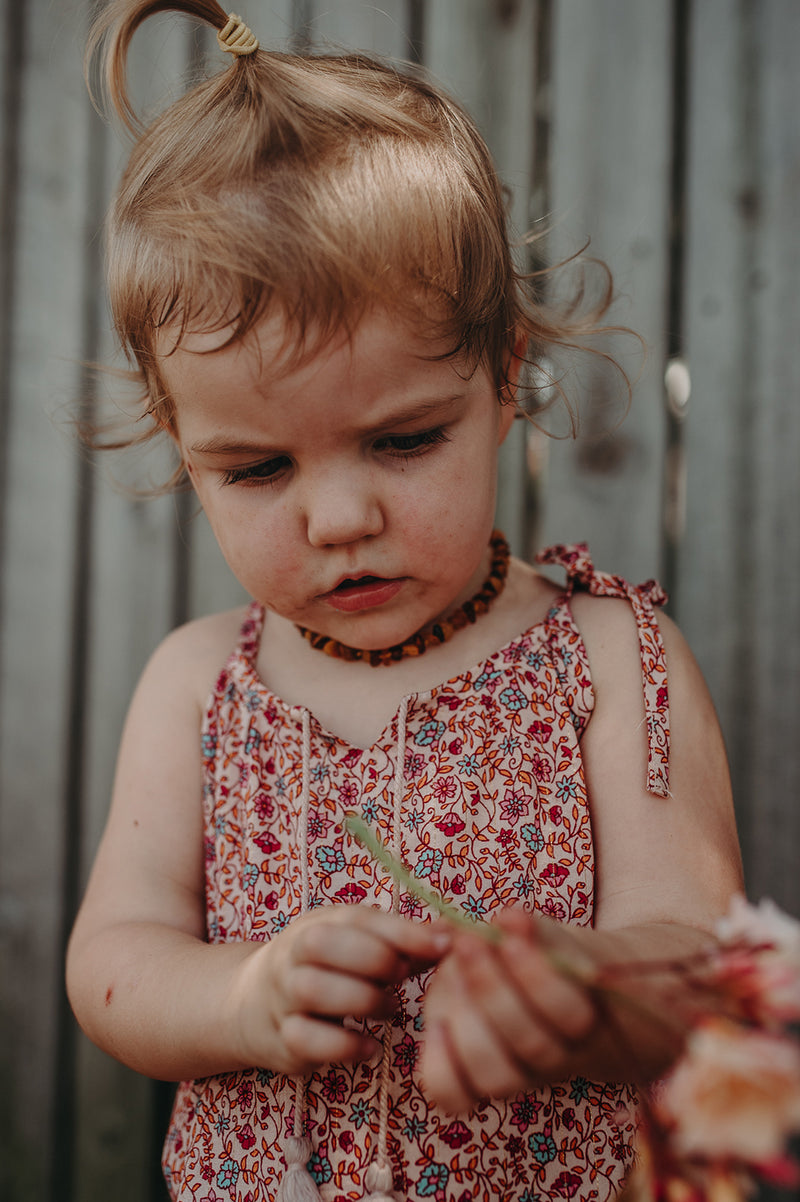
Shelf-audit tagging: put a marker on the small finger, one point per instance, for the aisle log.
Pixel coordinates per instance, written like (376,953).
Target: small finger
(440,1071)
(559,1000)
(310,1042)
(529,1040)
(314,990)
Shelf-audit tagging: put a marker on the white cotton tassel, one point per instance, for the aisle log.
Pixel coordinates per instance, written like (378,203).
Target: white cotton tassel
(379,1182)
(297,1184)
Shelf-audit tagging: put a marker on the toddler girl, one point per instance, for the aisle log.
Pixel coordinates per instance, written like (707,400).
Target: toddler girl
(309,268)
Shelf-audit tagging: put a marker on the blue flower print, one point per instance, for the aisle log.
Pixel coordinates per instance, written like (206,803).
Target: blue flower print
(535,659)
(280,921)
(415,819)
(543,1147)
(486,678)
(415,1127)
(579,1091)
(320,1168)
(534,839)
(509,744)
(319,771)
(228,1174)
(331,859)
(419,1022)
(567,790)
(433,1178)
(220,825)
(253,740)
(360,1112)
(514,699)
(280,786)
(369,809)
(253,701)
(529,1196)
(475,907)
(208,745)
(264,1076)
(430,732)
(469,765)
(430,861)
(221,1124)
(566,655)
(524,886)
(249,875)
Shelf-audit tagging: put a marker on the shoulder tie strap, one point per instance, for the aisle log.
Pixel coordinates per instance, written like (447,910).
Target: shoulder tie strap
(582,574)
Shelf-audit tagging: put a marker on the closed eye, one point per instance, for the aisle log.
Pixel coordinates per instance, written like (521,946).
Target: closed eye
(408,446)
(266,472)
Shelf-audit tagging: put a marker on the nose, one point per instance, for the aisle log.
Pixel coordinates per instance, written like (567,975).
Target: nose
(342,507)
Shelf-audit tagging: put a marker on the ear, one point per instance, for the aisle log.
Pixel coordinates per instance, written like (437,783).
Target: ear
(507,395)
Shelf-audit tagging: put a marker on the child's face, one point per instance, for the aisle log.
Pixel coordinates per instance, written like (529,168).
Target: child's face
(353,493)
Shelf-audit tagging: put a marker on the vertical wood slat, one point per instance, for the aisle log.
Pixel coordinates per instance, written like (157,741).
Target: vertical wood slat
(481,53)
(41,540)
(609,176)
(739,593)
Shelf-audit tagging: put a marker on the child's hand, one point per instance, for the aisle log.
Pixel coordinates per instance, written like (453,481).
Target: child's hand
(292,995)
(500,1018)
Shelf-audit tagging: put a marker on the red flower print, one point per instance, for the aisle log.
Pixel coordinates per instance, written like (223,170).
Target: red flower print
(352,757)
(334,1086)
(271,901)
(348,793)
(568,1118)
(566,1184)
(405,1055)
(524,1110)
(351,892)
(458,885)
(444,787)
(244,1095)
(541,768)
(515,804)
(346,1141)
(555,875)
(456,747)
(450,825)
(554,909)
(267,843)
(540,731)
(507,839)
(556,815)
(245,1136)
(450,701)
(456,1135)
(264,806)
(662,697)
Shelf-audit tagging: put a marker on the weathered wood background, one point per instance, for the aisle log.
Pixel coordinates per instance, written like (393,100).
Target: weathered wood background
(668,131)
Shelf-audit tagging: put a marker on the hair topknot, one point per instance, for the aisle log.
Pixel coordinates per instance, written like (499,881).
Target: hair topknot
(317,185)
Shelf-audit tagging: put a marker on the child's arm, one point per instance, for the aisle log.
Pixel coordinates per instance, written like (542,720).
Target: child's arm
(501,1018)
(143,982)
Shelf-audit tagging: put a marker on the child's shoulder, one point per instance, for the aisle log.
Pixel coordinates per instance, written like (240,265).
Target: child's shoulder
(189,658)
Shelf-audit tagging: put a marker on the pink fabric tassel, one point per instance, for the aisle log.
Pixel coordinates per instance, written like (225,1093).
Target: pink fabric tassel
(379,1182)
(297,1184)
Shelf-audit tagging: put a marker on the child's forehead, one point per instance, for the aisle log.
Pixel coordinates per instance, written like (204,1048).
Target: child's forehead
(277,346)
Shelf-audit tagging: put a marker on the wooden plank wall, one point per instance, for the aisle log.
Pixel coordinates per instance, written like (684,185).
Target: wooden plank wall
(668,132)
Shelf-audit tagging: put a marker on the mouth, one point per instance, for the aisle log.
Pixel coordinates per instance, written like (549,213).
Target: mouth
(362,592)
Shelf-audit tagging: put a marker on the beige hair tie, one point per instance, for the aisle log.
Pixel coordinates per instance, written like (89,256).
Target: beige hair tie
(235,38)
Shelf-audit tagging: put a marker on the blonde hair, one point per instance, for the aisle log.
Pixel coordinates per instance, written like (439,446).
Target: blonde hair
(317,185)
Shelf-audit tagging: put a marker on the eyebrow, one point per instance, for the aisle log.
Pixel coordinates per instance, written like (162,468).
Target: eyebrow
(221,444)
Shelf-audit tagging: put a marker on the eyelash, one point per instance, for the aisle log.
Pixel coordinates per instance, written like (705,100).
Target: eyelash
(395,445)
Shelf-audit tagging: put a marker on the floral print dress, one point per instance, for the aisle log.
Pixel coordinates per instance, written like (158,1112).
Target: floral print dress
(479,785)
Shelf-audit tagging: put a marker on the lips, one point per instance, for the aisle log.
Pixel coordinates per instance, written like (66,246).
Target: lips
(362,592)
